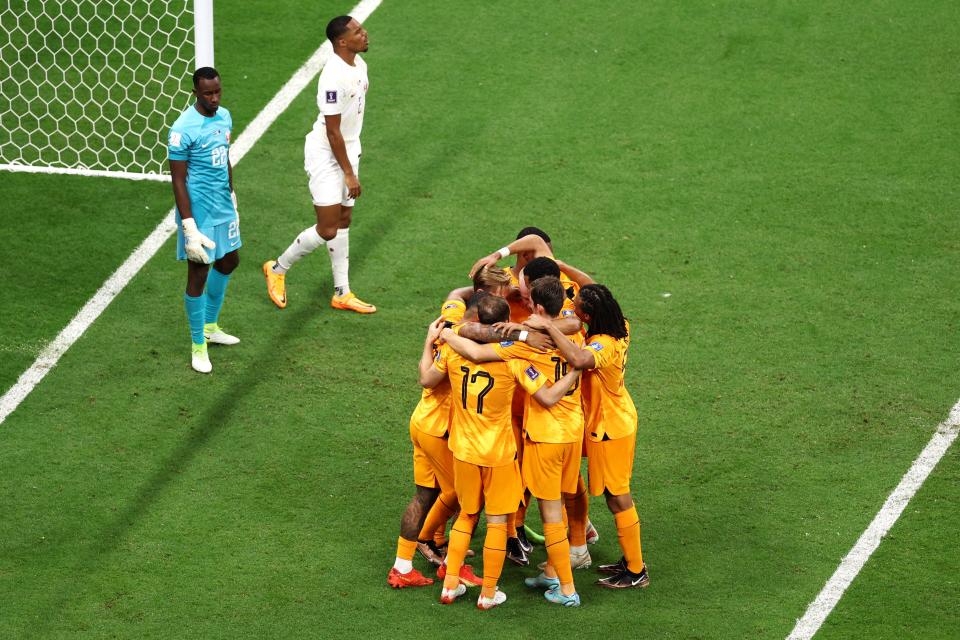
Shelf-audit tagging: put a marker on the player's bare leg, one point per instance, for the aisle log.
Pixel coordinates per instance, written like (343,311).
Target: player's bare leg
(333,225)
(403,574)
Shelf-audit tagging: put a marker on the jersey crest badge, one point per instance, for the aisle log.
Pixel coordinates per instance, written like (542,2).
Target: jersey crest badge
(331,97)
(532,372)
(596,346)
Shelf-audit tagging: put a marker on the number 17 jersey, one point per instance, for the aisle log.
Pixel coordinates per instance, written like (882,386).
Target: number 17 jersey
(481,429)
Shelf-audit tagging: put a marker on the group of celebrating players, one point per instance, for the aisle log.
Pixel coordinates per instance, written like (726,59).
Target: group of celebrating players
(522,376)
(522,373)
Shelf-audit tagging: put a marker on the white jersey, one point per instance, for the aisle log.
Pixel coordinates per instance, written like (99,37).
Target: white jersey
(342,90)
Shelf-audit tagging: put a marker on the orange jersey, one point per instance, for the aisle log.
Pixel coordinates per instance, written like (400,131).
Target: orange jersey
(481,430)
(607,406)
(564,421)
(432,413)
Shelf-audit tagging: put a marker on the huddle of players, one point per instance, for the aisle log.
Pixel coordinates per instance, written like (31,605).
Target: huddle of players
(522,375)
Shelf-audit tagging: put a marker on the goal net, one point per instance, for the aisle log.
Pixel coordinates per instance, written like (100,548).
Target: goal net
(92,86)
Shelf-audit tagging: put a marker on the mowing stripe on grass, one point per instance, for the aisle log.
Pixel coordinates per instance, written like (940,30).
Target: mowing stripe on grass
(854,561)
(49,357)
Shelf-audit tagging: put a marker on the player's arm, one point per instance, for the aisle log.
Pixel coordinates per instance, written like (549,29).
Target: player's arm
(580,277)
(469,349)
(430,376)
(463,293)
(178,175)
(571,352)
(567,326)
(526,243)
(339,148)
(485,333)
(193,240)
(550,394)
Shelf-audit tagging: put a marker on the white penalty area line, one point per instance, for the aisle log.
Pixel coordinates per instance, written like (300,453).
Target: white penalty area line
(49,357)
(855,560)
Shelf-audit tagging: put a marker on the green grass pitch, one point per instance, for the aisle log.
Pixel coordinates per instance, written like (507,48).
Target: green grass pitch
(785,171)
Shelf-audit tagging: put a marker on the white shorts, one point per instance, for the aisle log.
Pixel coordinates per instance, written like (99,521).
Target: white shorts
(327,186)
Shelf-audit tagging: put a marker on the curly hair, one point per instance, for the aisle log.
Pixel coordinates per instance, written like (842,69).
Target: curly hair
(605,315)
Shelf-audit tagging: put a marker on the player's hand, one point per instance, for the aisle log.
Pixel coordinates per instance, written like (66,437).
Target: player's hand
(537,322)
(505,328)
(538,340)
(194,242)
(486,261)
(434,330)
(353,185)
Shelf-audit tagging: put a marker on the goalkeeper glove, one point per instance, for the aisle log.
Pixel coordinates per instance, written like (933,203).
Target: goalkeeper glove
(194,242)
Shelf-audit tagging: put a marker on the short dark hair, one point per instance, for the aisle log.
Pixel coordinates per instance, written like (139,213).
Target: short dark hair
(477,296)
(491,309)
(548,292)
(534,231)
(540,267)
(337,27)
(207,73)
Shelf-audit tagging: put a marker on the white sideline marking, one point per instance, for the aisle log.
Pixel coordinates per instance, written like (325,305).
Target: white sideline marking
(100,173)
(854,561)
(49,357)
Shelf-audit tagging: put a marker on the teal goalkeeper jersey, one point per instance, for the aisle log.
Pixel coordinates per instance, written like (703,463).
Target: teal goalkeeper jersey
(205,143)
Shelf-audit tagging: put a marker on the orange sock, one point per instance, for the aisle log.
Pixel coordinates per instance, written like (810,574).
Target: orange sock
(437,517)
(558,550)
(406,548)
(522,513)
(577,507)
(628,531)
(494,553)
(460,536)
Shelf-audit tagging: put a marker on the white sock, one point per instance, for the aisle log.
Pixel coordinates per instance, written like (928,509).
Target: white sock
(339,249)
(403,566)
(306,242)
(578,549)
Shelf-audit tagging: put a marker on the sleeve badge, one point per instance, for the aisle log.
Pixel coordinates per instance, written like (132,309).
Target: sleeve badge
(532,372)
(331,97)
(596,346)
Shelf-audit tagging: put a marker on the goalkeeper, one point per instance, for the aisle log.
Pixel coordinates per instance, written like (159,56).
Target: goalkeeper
(208,226)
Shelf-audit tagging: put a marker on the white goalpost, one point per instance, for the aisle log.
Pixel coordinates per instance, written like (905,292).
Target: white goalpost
(90,87)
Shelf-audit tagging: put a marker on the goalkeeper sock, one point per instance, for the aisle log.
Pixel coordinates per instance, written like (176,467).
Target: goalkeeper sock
(339,249)
(196,307)
(216,288)
(306,243)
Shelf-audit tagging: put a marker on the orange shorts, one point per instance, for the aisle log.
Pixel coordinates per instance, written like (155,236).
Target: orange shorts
(610,465)
(496,490)
(550,469)
(432,461)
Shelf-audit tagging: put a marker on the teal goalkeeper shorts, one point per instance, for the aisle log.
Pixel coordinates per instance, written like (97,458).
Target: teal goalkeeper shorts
(226,235)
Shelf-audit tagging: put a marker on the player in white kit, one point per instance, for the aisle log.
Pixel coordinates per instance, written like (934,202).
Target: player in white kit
(332,160)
